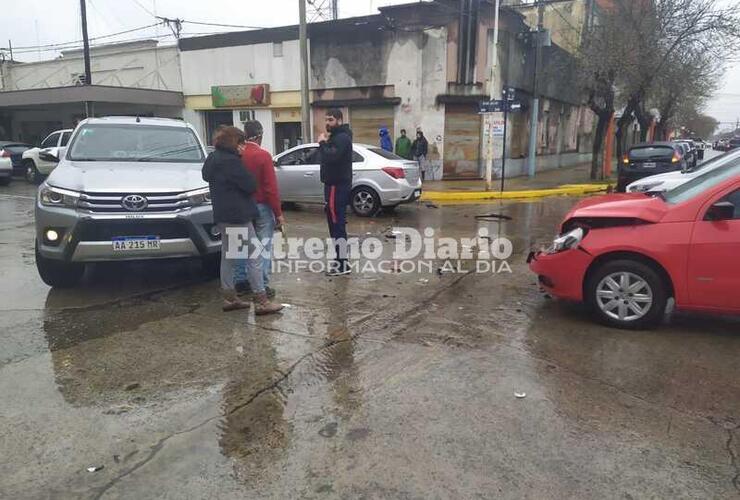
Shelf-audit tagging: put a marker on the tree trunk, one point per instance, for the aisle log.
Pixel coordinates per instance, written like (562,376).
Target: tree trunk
(601,126)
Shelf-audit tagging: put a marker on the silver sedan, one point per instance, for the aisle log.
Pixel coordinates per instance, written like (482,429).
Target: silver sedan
(380,179)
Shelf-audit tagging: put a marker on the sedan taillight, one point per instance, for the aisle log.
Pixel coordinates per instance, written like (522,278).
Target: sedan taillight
(395,172)
(675,158)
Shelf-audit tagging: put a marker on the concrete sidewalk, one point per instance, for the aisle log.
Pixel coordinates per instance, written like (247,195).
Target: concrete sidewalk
(562,181)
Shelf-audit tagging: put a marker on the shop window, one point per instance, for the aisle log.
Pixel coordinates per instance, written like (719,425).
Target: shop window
(277,49)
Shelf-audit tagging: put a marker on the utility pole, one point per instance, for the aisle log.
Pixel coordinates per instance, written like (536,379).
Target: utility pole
(492,94)
(10,47)
(335,9)
(532,158)
(305,109)
(86,52)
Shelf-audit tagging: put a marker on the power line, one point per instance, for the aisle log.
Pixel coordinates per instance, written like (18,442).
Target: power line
(62,45)
(200,23)
(144,8)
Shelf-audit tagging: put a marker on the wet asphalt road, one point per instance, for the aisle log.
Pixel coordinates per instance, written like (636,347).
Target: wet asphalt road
(372,386)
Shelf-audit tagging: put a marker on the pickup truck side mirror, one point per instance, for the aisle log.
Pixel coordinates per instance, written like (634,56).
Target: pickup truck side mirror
(722,210)
(52,154)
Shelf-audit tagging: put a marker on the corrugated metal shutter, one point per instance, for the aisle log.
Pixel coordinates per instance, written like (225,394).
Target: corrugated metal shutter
(462,141)
(366,122)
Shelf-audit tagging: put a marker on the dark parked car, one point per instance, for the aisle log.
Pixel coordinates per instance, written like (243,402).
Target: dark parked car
(690,154)
(14,150)
(644,160)
(734,143)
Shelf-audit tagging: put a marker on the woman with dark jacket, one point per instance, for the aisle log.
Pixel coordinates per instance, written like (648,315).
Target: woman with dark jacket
(234,210)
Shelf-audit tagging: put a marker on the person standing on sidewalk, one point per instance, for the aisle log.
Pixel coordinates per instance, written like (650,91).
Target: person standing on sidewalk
(269,212)
(234,211)
(336,175)
(419,149)
(403,146)
(385,139)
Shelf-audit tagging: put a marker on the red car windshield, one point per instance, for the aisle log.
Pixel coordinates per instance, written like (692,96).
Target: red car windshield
(699,184)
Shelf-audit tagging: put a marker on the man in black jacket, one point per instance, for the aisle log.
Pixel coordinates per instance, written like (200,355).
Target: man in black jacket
(336,174)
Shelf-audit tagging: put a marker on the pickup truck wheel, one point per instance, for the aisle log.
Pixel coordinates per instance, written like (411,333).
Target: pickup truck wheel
(627,294)
(32,174)
(58,274)
(365,201)
(212,264)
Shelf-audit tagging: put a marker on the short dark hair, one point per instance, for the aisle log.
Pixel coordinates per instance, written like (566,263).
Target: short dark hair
(335,113)
(253,129)
(403,130)
(228,138)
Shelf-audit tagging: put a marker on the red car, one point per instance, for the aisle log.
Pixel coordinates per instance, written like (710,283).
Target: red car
(625,255)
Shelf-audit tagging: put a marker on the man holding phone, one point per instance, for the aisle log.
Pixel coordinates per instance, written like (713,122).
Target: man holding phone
(335,147)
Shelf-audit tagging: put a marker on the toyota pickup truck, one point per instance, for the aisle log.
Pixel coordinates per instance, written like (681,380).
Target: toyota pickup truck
(125,188)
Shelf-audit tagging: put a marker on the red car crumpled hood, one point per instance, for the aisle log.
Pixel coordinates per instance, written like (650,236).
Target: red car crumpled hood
(622,206)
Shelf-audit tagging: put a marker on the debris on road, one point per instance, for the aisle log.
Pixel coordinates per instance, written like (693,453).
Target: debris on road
(520,395)
(431,205)
(493,217)
(133,386)
(95,468)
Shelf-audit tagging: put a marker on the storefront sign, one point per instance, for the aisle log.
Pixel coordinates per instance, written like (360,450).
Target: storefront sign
(235,96)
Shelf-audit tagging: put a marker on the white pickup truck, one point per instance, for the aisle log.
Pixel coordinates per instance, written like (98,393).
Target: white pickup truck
(36,168)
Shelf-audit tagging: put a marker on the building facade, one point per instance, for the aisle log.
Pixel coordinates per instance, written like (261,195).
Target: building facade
(127,78)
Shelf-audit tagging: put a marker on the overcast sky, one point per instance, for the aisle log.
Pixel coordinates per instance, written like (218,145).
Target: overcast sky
(42,22)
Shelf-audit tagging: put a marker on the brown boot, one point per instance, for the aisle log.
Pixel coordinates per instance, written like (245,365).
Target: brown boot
(232,302)
(262,305)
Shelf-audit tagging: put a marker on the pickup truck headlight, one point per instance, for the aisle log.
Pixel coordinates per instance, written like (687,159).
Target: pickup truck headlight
(199,197)
(56,197)
(567,241)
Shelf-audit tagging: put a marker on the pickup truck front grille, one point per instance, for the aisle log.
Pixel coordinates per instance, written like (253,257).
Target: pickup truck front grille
(114,202)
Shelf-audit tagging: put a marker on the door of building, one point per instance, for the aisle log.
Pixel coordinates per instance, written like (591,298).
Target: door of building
(287,135)
(214,119)
(462,141)
(366,122)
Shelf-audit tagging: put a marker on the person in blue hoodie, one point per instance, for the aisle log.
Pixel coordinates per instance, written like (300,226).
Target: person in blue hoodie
(385,139)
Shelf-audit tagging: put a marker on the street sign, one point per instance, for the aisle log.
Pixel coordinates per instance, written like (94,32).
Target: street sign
(495,106)
(515,105)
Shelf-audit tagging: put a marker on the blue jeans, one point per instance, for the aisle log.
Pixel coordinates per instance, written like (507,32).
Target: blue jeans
(264,227)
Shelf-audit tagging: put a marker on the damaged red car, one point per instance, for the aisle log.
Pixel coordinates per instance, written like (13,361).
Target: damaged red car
(626,255)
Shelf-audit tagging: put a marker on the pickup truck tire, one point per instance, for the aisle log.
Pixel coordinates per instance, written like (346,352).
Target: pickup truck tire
(58,274)
(212,264)
(31,172)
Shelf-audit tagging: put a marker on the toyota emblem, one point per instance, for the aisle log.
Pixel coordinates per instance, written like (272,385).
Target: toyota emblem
(134,202)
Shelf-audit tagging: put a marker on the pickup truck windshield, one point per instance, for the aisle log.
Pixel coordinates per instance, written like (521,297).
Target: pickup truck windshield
(135,143)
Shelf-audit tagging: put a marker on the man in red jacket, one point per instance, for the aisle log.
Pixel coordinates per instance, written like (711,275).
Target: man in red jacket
(259,162)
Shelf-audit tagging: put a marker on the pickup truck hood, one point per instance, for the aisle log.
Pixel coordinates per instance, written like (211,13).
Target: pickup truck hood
(620,206)
(127,177)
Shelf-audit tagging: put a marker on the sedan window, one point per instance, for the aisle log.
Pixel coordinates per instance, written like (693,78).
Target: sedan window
(303,156)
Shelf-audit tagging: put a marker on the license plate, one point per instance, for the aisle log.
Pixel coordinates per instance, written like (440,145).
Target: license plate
(134,243)
(649,164)
(417,193)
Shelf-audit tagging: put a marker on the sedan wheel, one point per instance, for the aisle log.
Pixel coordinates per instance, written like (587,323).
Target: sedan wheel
(624,296)
(627,294)
(365,202)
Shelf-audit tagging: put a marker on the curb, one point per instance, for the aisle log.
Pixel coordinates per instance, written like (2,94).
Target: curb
(564,190)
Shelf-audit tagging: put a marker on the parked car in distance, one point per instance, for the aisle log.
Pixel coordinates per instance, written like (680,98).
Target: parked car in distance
(11,154)
(37,162)
(643,160)
(665,182)
(626,255)
(380,179)
(691,154)
(733,143)
(126,188)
